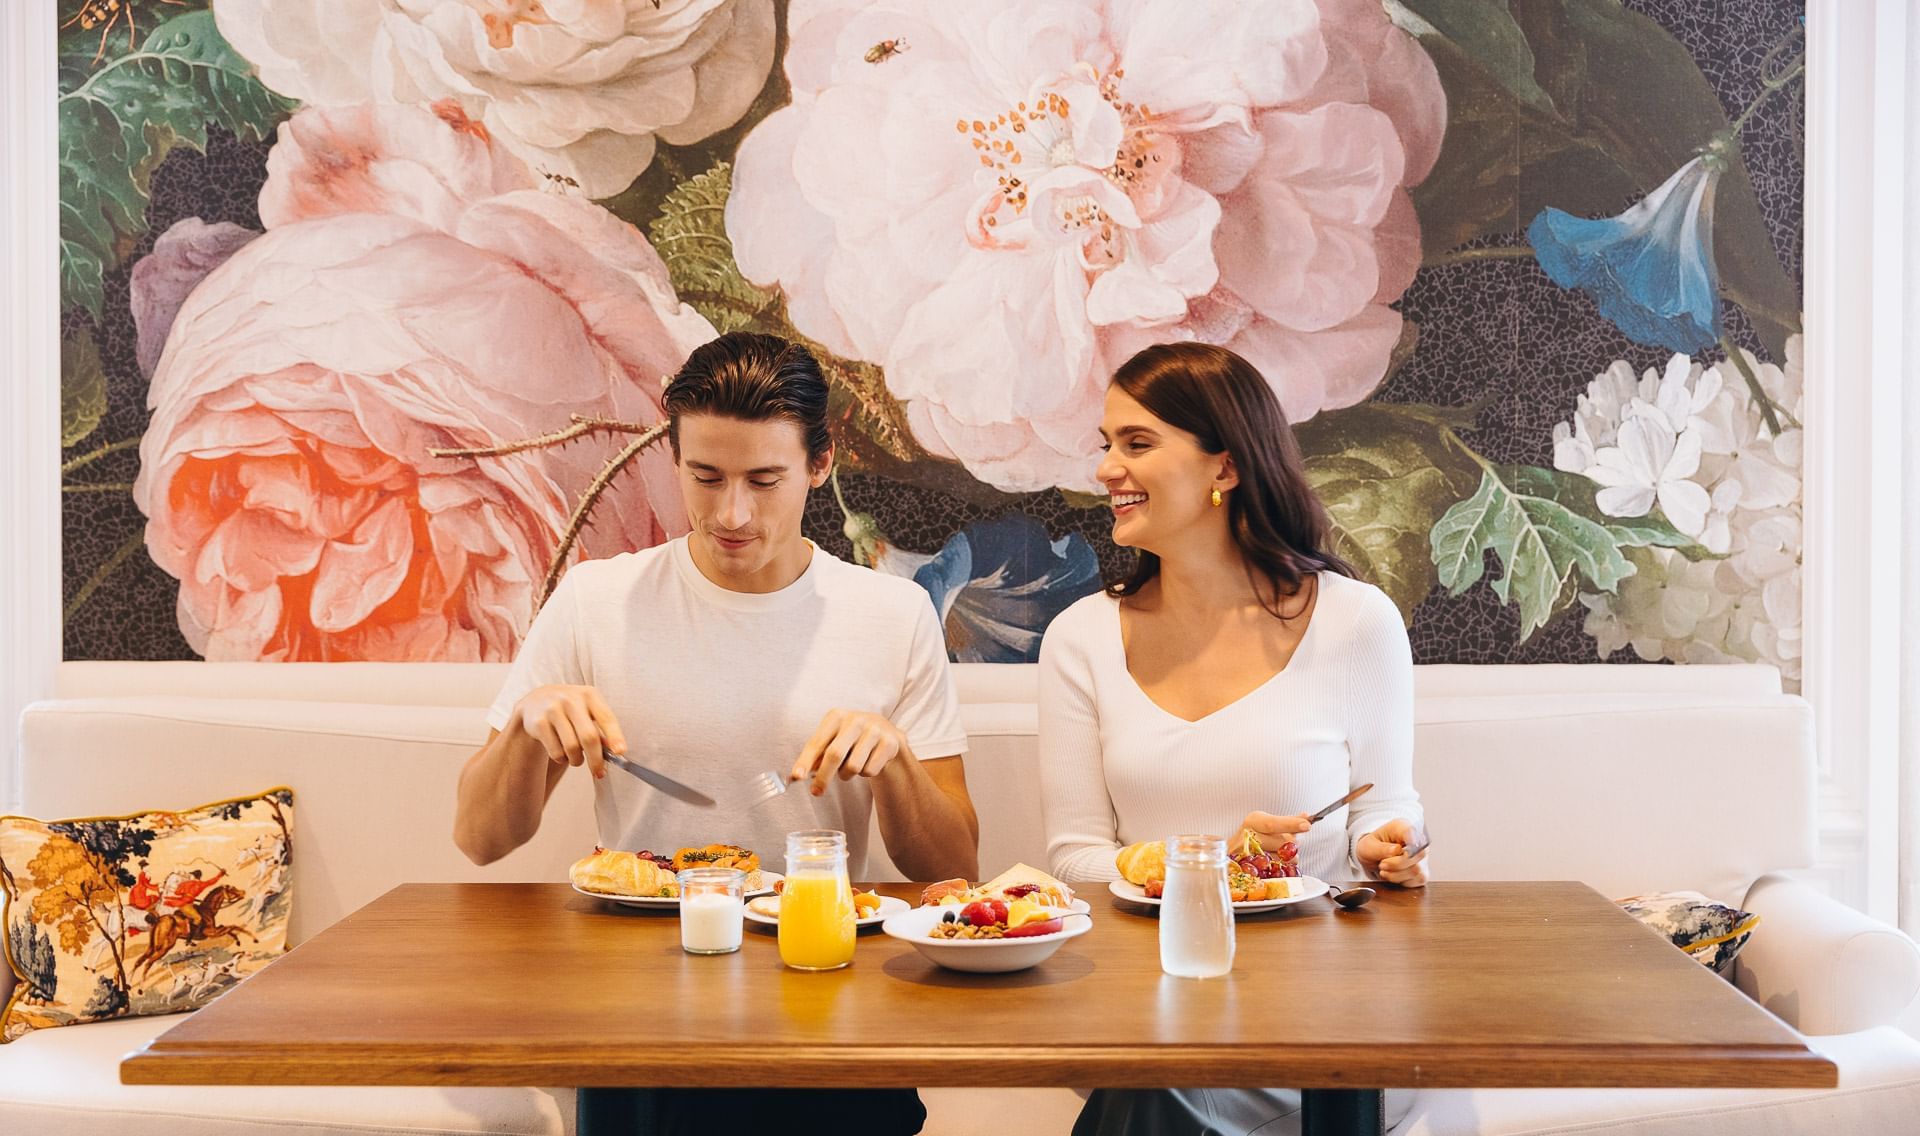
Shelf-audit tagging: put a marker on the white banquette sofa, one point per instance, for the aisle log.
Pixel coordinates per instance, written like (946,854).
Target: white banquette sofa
(1631,779)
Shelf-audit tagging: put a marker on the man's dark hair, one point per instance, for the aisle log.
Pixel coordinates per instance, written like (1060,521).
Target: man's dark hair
(753,378)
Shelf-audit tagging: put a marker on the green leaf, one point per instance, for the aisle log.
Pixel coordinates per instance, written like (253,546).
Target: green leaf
(1385,473)
(122,119)
(1579,493)
(1539,542)
(691,236)
(1381,513)
(1612,106)
(83,389)
(1487,34)
(1658,534)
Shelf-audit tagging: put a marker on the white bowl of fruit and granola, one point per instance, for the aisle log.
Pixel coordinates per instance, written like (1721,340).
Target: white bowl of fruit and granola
(1012,922)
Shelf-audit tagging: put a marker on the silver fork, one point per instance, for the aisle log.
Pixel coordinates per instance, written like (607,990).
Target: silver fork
(765,787)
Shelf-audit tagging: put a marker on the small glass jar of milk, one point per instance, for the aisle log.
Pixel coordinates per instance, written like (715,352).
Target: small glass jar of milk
(712,910)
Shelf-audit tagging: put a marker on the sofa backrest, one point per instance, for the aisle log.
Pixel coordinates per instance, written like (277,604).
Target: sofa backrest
(1628,778)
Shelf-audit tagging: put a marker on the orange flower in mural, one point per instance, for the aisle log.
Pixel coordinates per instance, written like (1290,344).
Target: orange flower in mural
(416,288)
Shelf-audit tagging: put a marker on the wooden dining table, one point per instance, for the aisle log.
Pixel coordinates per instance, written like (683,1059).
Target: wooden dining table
(1454,985)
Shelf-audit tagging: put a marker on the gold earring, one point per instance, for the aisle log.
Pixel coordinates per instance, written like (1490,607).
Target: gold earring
(1216,497)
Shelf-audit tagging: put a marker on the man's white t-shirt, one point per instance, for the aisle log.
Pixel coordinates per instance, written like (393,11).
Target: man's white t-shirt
(714,686)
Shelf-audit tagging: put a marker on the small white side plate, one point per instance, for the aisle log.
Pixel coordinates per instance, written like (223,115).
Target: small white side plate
(888,906)
(767,880)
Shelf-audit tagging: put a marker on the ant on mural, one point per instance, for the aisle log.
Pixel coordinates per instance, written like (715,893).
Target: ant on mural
(886,49)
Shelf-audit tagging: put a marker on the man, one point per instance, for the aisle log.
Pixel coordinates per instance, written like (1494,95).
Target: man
(183,890)
(738,649)
(145,896)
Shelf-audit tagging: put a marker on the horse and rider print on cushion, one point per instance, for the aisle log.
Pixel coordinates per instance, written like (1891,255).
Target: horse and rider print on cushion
(155,913)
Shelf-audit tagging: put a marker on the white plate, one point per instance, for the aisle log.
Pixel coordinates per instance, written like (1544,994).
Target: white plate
(888,906)
(1313,889)
(767,880)
(984,956)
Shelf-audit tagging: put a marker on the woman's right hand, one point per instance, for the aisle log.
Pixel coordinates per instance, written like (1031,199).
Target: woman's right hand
(573,724)
(1270,829)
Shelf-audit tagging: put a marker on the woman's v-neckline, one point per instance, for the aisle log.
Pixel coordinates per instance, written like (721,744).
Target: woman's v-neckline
(1313,620)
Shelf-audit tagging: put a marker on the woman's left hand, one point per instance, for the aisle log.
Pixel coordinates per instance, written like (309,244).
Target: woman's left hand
(1382,853)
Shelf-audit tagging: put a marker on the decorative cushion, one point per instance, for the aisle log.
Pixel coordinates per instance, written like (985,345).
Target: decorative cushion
(154,913)
(1711,933)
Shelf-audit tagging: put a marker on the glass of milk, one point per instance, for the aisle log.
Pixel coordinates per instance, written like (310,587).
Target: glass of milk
(712,907)
(1196,914)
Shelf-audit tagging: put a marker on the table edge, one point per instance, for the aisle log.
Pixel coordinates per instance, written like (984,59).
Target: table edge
(1038,1065)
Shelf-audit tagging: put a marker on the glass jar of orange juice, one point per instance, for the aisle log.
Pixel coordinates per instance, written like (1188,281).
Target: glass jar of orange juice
(816,907)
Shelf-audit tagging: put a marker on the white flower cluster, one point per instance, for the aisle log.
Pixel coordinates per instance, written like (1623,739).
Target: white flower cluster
(1693,441)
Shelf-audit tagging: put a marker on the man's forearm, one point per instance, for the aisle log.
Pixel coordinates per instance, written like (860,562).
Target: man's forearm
(930,833)
(502,792)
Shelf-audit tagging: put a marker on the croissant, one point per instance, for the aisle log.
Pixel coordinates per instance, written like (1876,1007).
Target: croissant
(1143,863)
(613,872)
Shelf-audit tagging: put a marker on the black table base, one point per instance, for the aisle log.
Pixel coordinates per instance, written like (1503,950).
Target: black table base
(1343,1112)
(1324,1112)
(707,1112)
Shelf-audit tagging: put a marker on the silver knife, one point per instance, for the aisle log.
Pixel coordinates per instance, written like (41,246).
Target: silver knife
(1348,799)
(661,781)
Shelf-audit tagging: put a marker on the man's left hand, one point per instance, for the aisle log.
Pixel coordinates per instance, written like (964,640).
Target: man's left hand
(849,744)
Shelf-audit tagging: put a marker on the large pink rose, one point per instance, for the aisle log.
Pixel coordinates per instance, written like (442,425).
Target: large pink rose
(578,88)
(1023,194)
(411,291)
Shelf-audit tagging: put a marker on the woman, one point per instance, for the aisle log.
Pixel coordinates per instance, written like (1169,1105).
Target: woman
(1239,679)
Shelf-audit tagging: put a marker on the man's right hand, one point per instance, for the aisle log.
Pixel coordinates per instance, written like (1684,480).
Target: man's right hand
(573,724)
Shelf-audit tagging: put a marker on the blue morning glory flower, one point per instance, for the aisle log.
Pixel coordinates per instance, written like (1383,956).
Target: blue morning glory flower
(1651,268)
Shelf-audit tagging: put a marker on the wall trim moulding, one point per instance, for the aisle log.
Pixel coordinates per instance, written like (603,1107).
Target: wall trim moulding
(30,587)
(1856,121)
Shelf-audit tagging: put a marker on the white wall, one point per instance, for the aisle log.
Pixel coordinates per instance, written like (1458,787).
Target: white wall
(29,371)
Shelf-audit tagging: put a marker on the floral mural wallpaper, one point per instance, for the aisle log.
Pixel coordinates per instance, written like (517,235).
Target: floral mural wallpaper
(366,304)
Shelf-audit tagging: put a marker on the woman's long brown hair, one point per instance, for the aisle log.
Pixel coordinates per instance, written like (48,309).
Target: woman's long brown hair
(1279,525)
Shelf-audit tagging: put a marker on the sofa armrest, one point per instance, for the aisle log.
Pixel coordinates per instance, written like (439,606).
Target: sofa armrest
(1821,966)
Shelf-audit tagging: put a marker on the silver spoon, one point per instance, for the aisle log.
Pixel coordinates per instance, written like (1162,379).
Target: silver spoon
(1351,898)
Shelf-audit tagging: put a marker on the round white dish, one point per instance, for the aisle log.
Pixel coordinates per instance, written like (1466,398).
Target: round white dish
(1311,889)
(981,956)
(889,906)
(767,880)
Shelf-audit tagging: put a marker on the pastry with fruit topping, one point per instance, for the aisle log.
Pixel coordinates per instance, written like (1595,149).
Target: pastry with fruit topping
(1021,881)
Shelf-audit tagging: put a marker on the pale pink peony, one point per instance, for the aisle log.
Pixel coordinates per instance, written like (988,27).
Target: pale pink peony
(578,88)
(410,292)
(1025,194)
